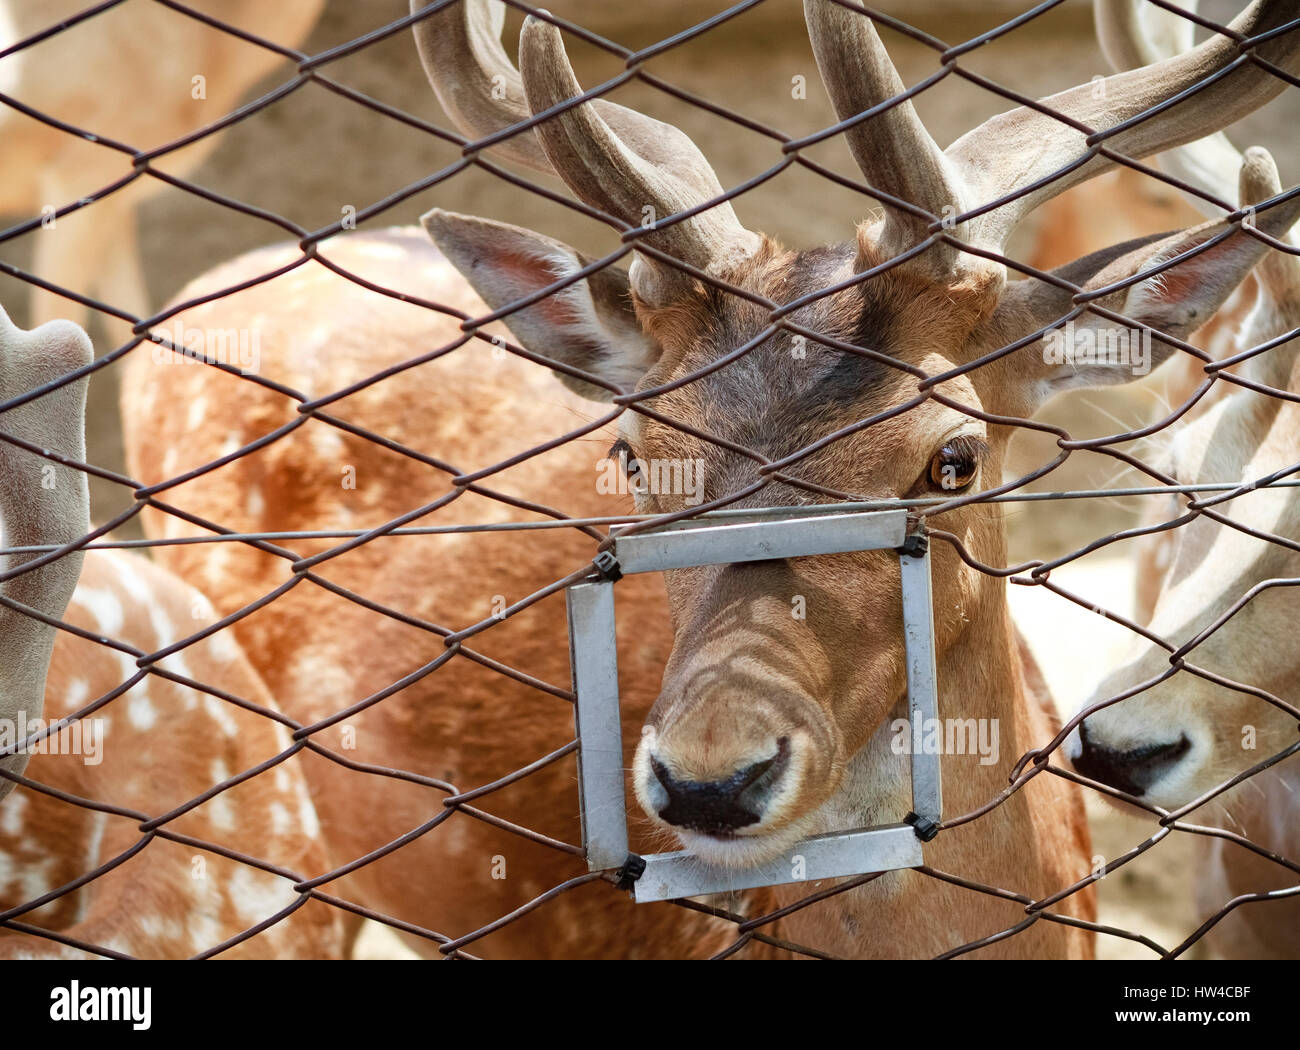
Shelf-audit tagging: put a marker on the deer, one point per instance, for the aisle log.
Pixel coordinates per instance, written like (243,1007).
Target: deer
(1215,588)
(147,53)
(749,728)
(118,741)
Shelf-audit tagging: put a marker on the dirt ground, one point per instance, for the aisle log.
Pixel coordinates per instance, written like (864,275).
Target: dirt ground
(313,154)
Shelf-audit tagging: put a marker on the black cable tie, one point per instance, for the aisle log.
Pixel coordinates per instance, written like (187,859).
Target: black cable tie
(925,828)
(915,545)
(608,567)
(633,868)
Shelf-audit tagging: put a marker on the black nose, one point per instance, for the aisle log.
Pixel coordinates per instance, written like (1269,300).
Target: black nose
(718,807)
(1130,771)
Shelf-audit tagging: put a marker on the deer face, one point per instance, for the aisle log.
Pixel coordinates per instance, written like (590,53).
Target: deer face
(781,671)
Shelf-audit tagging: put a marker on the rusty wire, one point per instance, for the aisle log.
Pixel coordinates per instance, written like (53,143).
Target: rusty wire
(450,798)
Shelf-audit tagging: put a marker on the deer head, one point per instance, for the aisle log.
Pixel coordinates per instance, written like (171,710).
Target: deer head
(1214,580)
(895,365)
(41,502)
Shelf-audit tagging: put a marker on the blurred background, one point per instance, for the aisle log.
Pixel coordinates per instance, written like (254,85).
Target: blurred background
(130,74)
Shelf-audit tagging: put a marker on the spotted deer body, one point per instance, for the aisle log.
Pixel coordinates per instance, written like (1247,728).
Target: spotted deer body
(885,378)
(148,750)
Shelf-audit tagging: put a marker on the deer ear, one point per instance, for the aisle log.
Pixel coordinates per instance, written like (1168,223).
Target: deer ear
(589,325)
(1093,350)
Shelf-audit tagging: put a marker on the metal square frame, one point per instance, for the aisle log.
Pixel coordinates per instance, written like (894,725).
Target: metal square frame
(780,532)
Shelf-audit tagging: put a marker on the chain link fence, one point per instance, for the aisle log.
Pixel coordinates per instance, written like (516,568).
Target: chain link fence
(441,482)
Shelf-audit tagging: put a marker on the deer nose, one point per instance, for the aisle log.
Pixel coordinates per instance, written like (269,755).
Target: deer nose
(1130,771)
(719,807)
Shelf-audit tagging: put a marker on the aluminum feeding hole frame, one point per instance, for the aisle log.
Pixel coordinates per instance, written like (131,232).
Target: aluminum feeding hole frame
(731,537)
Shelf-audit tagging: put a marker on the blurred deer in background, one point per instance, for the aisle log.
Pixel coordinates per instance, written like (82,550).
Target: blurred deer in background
(1227,587)
(151,748)
(143,75)
(766,728)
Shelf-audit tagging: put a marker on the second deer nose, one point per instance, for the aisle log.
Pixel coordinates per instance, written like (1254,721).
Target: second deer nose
(1131,771)
(718,807)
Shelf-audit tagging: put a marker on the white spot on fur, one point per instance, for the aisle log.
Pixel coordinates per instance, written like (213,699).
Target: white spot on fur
(221,812)
(163,628)
(224,647)
(12,815)
(159,928)
(283,741)
(131,580)
(197,413)
(307,818)
(281,821)
(326,442)
(203,931)
(140,711)
(219,713)
(103,607)
(257,895)
(30,876)
(77,693)
(217,569)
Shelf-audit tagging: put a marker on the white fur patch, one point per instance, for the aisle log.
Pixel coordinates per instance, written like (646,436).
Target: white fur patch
(198,412)
(140,711)
(77,693)
(104,607)
(281,821)
(13,815)
(307,817)
(219,713)
(257,895)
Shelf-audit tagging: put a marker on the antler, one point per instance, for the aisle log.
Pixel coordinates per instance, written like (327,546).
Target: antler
(1010,154)
(1134,33)
(609,156)
(1039,145)
(475,81)
(892,149)
(42,502)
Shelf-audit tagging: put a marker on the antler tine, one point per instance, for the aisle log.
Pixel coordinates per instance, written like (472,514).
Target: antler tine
(1133,33)
(1259,181)
(624,163)
(1022,146)
(1278,275)
(892,149)
(473,77)
(41,502)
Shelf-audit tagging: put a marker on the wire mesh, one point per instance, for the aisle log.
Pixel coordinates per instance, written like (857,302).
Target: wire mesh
(749,923)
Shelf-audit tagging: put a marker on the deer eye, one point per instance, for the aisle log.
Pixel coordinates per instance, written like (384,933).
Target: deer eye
(957,464)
